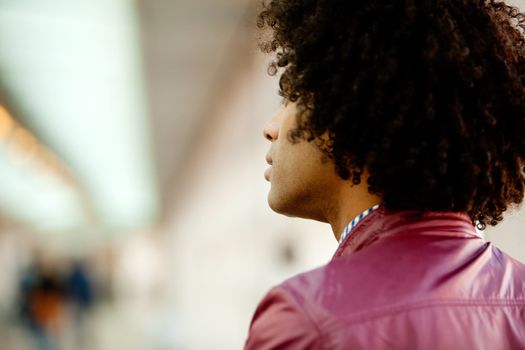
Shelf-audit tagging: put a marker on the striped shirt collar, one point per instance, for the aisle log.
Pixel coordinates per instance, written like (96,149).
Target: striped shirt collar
(354,222)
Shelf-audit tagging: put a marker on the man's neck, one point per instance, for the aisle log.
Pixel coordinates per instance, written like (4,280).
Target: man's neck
(353,200)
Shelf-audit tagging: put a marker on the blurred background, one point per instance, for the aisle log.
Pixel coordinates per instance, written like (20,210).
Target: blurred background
(133,207)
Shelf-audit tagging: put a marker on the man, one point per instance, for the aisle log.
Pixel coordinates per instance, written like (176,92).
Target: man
(403,128)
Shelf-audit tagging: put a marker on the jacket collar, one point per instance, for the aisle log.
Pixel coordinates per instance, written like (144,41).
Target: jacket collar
(382,223)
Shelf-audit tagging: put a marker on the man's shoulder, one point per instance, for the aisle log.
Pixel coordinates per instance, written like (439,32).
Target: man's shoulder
(350,294)
(282,320)
(366,282)
(343,286)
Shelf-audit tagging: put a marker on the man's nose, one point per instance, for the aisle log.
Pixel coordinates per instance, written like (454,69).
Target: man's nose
(271,129)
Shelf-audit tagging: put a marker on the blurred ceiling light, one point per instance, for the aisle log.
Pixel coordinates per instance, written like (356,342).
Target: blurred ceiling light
(31,189)
(73,69)
(6,123)
(22,145)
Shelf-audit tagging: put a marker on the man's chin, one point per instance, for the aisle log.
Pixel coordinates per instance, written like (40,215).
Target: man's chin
(281,206)
(276,203)
(293,207)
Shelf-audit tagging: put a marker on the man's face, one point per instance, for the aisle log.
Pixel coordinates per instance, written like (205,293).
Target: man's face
(301,180)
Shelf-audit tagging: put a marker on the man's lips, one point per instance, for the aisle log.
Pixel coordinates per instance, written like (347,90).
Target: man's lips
(267,173)
(269,170)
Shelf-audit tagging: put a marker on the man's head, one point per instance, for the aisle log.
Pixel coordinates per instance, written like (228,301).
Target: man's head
(304,181)
(427,97)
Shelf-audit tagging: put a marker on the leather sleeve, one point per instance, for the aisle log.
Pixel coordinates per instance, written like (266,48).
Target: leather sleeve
(281,323)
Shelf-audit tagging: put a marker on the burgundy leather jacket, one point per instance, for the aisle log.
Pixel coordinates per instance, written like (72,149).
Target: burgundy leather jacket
(400,280)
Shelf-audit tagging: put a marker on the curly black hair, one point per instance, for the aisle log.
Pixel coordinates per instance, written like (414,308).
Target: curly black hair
(427,95)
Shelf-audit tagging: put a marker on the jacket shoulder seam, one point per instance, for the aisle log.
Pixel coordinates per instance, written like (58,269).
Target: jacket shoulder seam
(304,309)
(424,304)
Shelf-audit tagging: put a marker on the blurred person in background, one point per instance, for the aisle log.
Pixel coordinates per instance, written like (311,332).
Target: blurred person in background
(54,301)
(42,304)
(81,297)
(402,127)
